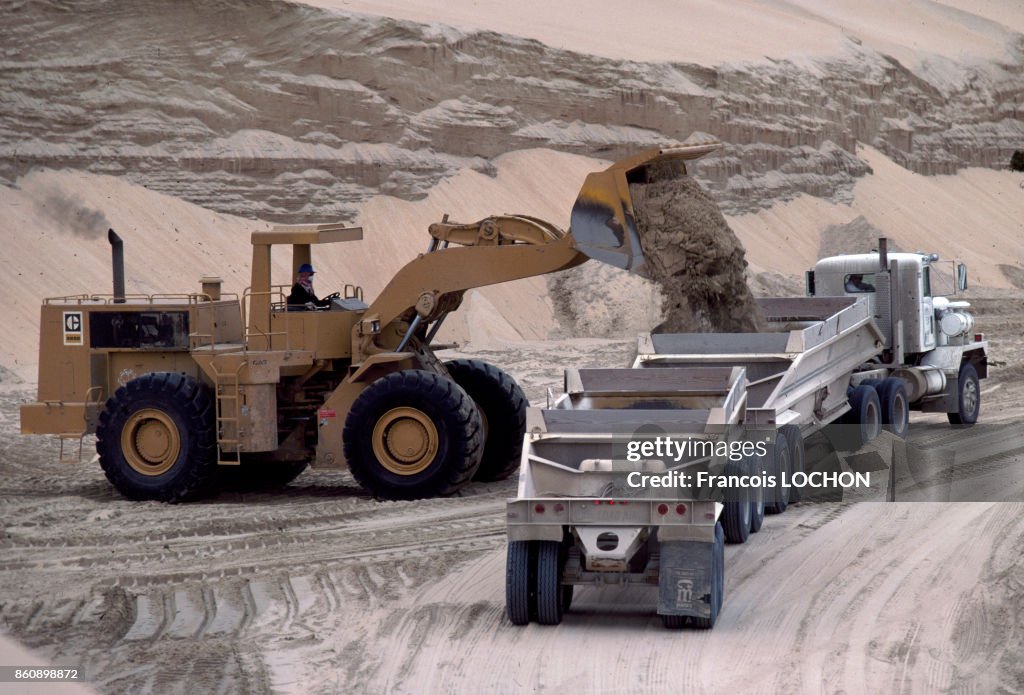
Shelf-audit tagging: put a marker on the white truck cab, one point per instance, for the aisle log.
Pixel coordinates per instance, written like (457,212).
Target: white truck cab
(929,337)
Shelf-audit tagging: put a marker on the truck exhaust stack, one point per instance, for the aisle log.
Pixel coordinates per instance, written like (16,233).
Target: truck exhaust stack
(117,258)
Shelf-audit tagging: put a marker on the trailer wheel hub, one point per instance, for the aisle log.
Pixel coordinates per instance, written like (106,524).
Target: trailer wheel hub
(405,441)
(150,442)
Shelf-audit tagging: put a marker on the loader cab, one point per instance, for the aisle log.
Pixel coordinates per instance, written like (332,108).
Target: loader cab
(861,276)
(272,324)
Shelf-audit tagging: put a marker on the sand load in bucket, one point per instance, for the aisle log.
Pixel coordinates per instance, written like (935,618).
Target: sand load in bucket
(692,253)
(646,215)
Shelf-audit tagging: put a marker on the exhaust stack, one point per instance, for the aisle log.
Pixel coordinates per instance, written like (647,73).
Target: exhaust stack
(117,258)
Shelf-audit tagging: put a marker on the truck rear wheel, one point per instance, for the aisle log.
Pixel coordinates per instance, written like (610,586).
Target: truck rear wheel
(797,456)
(717,596)
(413,434)
(156,438)
(717,582)
(520,584)
(550,596)
(502,406)
(737,509)
(892,396)
(756,499)
(968,397)
(862,423)
(777,496)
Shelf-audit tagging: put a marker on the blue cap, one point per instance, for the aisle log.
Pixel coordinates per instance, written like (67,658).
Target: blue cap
(306,268)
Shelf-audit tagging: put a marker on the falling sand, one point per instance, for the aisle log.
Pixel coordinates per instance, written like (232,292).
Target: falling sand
(693,255)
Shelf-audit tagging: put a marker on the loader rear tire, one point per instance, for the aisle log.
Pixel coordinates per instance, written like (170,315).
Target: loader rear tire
(502,406)
(520,582)
(413,434)
(550,596)
(156,438)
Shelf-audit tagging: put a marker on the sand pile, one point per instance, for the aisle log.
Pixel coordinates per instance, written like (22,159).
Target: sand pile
(693,255)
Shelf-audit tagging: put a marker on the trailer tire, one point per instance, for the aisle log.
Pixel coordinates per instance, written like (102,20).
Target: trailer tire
(797,458)
(737,508)
(892,395)
(413,434)
(717,597)
(777,498)
(520,570)
(156,438)
(756,500)
(502,405)
(968,397)
(550,597)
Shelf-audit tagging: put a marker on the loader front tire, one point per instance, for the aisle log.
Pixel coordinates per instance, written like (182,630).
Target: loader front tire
(156,438)
(502,406)
(413,434)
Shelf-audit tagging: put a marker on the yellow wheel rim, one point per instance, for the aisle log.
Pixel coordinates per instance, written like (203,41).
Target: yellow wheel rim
(150,442)
(405,441)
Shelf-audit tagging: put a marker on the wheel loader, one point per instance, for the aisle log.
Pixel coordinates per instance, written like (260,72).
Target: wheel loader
(182,390)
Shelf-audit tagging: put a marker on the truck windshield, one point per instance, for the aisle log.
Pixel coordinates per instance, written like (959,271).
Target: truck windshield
(860,282)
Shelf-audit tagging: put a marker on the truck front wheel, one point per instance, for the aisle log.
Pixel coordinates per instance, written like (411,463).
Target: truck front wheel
(156,438)
(968,397)
(413,434)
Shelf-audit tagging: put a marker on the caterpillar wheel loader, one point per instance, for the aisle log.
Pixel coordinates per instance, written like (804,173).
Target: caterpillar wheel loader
(180,387)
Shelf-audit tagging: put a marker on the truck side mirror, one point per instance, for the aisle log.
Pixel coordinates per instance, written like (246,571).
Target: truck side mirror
(961,276)
(809,283)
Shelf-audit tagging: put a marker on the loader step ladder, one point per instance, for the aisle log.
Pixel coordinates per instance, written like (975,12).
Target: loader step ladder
(228,406)
(71,456)
(92,400)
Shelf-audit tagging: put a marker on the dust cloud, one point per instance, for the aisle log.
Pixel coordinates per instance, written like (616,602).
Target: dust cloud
(693,254)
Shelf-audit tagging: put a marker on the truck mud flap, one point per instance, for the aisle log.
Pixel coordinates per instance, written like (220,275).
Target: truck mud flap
(686,580)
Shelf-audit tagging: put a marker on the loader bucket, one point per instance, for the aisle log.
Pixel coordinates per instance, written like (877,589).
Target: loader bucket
(603,222)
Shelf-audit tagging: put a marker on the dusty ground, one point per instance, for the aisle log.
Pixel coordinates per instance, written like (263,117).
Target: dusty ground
(319,589)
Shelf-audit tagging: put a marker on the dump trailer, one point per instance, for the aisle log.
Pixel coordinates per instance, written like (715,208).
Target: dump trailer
(177,387)
(581,516)
(868,345)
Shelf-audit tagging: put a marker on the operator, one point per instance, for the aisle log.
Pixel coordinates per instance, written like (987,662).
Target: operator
(856,283)
(302,291)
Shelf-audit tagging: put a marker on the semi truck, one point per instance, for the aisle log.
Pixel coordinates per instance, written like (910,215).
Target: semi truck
(868,344)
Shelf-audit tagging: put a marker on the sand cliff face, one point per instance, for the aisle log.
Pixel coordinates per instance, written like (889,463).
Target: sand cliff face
(279,111)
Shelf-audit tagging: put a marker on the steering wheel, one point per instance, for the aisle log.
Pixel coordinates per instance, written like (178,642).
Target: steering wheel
(332,295)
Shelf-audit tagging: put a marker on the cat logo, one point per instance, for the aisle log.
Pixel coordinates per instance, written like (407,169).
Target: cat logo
(73,328)
(684,592)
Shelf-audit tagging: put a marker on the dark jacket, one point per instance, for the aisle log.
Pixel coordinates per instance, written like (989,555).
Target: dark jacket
(300,296)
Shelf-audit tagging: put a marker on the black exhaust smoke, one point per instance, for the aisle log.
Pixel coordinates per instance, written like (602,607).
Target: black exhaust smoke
(117,256)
